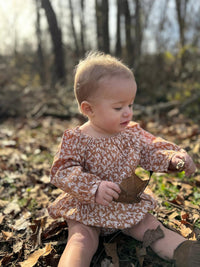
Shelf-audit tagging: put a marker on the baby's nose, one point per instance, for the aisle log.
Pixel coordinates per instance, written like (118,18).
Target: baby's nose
(128,111)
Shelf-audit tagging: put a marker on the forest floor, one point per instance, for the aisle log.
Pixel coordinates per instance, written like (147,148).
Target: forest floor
(29,237)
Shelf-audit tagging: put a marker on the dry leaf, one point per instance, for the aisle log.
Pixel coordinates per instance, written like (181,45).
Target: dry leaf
(185,231)
(131,189)
(3,203)
(12,207)
(33,258)
(17,247)
(111,250)
(173,215)
(1,218)
(21,224)
(7,235)
(151,236)
(141,253)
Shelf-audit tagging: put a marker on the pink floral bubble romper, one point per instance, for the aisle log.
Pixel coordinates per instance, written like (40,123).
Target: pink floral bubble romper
(82,162)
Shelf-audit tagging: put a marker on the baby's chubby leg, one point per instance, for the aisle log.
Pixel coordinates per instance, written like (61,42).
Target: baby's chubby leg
(165,246)
(81,245)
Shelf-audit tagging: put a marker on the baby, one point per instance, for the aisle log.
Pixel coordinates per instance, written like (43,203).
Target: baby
(94,159)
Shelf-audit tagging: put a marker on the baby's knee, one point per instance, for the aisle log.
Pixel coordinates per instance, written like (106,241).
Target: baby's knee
(84,237)
(150,222)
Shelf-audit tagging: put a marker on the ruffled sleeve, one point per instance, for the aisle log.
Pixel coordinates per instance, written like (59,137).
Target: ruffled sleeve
(67,172)
(156,152)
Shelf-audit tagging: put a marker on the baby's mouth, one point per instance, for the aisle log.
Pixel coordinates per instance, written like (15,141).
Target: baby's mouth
(124,123)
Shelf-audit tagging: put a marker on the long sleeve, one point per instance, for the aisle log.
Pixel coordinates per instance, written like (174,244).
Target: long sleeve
(156,152)
(67,172)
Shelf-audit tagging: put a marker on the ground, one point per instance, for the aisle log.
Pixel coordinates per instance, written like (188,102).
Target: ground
(29,237)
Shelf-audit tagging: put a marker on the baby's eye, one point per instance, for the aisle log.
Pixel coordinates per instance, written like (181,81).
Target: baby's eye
(118,109)
(130,106)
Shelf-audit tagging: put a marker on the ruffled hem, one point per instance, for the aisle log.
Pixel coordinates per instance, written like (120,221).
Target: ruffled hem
(116,215)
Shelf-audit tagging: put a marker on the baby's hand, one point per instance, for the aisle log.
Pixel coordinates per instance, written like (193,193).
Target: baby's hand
(181,161)
(106,192)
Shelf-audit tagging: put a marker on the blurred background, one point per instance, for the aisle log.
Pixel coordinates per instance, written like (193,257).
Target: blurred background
(43,40)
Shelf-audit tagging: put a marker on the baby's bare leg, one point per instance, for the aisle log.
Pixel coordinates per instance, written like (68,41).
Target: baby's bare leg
(164,247)
(81,245)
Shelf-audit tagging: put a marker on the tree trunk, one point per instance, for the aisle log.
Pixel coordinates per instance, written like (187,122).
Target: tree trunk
(138,33)
(181,7)
(129,41)
(41,65)
(82,24)
(118,46)
(56,36)
(102,24)
(73,28)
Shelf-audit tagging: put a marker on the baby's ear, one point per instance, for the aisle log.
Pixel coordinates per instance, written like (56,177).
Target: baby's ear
(86,108)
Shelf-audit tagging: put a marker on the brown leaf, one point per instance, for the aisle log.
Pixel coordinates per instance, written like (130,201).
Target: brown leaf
(33,258)
(151,236)
(111,250)
(21,224)
(12,207)
(185,231)
(7,235)
(5,260)
(141,253)
(131,189)
(17,247)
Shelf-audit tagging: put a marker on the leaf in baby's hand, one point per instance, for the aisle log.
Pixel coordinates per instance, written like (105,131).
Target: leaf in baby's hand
(131,189)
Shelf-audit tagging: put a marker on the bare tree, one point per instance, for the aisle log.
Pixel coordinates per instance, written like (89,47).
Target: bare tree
(138,31)
(56,36)
(181,10)
(41,65)
(82,26)
(102,25)
(73,28)
(118,46)
(128,28)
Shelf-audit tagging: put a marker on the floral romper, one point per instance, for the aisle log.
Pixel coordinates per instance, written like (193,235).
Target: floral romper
(82,162)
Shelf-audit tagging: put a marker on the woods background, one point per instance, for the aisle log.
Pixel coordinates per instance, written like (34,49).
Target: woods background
(42,41)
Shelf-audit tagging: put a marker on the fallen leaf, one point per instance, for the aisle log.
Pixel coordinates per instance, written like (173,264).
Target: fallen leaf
(17,247)
(33,258)
(5,260)
(3,203)
(185,231)
(111,251)
(7,235)
(141,253)
(151,236)
(1,218)
(173,215)
(12,207)
(21,224)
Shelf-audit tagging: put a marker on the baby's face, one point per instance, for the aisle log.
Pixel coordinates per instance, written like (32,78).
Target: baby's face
(112,105)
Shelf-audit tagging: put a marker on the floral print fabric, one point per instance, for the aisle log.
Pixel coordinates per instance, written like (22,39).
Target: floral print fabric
(82,162)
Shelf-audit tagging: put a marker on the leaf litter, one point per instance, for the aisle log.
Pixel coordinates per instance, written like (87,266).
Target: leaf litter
(29,237)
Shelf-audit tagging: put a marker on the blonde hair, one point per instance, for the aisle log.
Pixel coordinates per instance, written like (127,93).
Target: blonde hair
(94,68)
